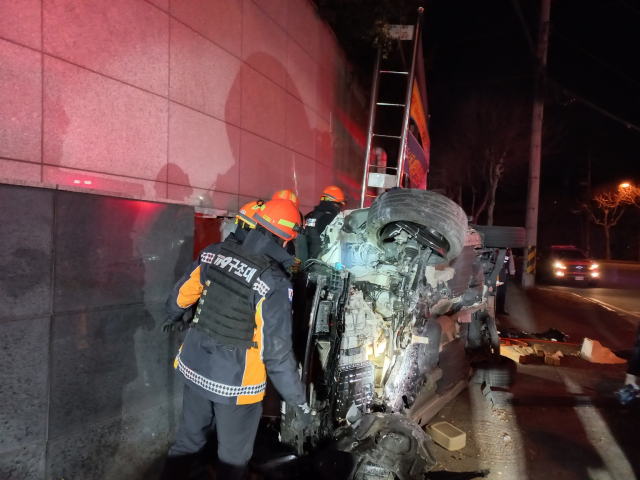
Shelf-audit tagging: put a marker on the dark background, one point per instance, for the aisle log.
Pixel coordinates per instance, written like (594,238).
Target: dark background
(472,46)
(594,48)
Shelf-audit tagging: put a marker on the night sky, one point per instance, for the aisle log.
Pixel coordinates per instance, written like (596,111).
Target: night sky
(594,51)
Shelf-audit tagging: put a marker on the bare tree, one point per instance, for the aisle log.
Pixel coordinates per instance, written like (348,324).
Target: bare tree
(606,208)
(489,137)
(630,195)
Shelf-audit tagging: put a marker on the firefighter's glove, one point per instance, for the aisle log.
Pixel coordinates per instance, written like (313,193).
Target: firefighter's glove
(303,416)
(172,325)
(295,268)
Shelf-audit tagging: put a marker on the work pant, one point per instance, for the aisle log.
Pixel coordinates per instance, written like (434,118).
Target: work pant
(501,294)
(236,427)
(634,361)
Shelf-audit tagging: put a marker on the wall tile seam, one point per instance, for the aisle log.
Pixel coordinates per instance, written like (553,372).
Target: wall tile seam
(273,19)
(20,160)
(245,64)
(109,193)
(168,97)
(43,52)
(60,59)
(156,6)
(315,61)
(22,318)
(166,189)
(14,42)
(319,20)
(15,450)
(111,174)
(52,278)
(242,14)
(115,417)
(81,189)
(238,164)
(106,308)
(42,97)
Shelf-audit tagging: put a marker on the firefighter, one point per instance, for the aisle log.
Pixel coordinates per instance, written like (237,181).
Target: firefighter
(298,247)
(244,221)
(331,202)
(241,332)
(286,195)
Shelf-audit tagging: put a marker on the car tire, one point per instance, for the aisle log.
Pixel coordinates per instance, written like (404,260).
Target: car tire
(423,207)
(594,284)
(502,237)
(501,374)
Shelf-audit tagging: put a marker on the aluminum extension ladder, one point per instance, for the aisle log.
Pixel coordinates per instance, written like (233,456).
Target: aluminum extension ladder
(377,179)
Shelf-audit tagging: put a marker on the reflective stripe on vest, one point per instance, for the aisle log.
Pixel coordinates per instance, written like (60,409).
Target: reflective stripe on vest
(218,388)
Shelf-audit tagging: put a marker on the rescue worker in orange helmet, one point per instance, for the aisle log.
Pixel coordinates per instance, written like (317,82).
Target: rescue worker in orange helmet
(240,333)
(286,195)
(331,202)
(244,221)
(293,247)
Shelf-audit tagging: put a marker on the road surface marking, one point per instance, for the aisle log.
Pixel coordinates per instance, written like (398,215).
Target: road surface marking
(608,306)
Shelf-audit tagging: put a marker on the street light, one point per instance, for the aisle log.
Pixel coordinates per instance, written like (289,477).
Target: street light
(625,185)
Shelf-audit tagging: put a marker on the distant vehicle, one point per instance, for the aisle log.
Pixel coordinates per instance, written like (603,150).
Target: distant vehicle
(563,263)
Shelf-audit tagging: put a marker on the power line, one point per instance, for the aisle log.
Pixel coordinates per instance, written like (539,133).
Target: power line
(592,105)
(577,97)
(586,52)
(481,81)
(637,12)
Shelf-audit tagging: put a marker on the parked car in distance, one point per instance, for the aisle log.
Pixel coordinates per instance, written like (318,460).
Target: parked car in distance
(564,263)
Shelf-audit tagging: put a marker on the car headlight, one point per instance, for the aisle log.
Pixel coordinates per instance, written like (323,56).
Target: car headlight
(560,266)
(593,266)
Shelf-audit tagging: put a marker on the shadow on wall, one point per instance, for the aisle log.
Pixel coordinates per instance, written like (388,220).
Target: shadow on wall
(113,391)
(308,164)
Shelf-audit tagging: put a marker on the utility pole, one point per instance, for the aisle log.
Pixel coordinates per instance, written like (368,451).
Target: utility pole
(588,226)
(529,264)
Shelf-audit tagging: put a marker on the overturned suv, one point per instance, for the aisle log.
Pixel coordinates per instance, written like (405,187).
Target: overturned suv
(390,318)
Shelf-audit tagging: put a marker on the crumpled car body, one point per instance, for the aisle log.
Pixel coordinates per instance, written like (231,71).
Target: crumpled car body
(390,317)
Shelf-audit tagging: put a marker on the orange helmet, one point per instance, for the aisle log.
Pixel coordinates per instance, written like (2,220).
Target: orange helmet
(332,194)
(247,212)
(280,217)
(286,195)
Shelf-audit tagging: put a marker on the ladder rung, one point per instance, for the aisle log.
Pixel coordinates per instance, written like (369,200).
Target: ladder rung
(383,166)
(385,136)
(391,104)
(391,71)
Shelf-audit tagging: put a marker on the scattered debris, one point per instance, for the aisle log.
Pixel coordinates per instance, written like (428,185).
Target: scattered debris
(447,436)
(593,351)
(501,413)
(552,359)
(514,354)
(552,334)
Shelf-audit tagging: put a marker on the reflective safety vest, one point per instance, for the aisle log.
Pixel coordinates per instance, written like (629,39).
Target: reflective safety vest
(224,311)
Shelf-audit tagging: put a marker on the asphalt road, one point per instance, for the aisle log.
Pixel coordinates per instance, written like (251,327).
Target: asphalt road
(619,288)
(538,435)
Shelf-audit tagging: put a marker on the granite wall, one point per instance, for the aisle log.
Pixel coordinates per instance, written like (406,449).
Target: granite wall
(208,102)
(87,388)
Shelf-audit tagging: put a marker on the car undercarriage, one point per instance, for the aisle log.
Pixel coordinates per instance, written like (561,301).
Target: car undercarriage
(388,321)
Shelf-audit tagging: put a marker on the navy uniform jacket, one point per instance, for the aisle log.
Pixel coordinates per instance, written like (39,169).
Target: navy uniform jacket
(239,376)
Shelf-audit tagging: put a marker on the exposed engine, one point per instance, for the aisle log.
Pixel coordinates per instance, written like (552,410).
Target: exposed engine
(398,303)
